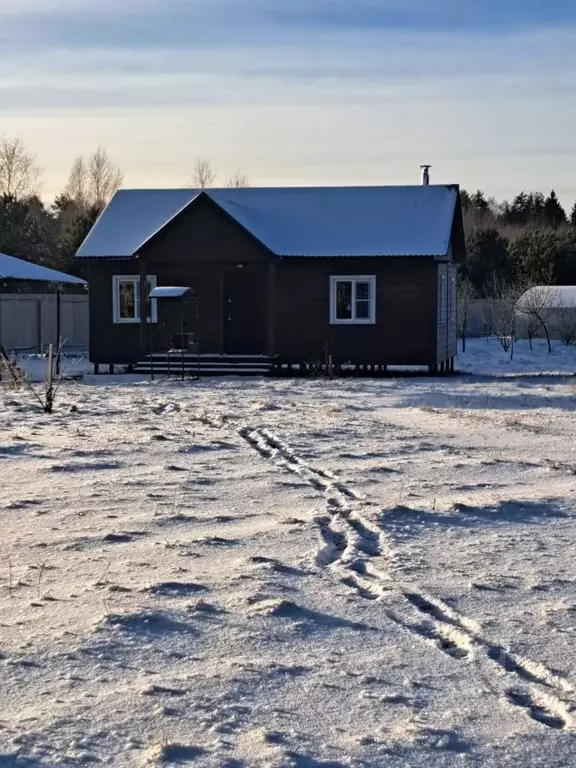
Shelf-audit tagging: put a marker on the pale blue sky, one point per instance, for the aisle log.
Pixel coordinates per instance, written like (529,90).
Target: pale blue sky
(297,91)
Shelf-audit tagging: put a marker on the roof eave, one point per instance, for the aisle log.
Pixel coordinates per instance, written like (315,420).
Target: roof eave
(107,257)
(437,256)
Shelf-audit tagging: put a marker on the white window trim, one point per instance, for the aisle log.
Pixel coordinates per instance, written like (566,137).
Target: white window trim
(334,280)
(116,280)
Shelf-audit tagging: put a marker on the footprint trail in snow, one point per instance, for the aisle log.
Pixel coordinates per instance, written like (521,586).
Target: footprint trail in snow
(351,543)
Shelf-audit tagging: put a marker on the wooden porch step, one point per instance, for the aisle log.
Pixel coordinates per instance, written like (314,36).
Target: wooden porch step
(175,363)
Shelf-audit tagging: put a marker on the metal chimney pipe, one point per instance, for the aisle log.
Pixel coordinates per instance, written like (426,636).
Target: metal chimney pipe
(425,175)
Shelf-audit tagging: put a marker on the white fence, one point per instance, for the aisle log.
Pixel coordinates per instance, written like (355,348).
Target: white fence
(478,314)
(28,321)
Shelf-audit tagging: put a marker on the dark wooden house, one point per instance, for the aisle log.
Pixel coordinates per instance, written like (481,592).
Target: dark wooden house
(359,276)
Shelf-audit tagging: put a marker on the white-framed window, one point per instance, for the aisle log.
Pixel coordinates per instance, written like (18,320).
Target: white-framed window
(353,299)
(126,298)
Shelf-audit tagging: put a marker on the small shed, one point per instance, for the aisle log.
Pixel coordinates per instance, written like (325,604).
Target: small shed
(15,270)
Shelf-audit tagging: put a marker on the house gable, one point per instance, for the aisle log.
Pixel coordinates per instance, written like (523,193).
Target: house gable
(204,233)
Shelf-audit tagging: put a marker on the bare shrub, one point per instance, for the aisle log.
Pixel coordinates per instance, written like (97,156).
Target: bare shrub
(535,305)
(47,396)
(238,180)
(501,312)
(10,372)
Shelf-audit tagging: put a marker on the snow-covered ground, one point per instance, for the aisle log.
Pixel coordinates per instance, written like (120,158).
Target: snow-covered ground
(483,357)
(304,573)
(486,357)
(35,366)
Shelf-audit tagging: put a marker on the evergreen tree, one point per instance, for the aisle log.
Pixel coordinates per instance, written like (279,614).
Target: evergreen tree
(487,255)
(465,199)
(518,212)
(565,257)
(72,226)
(554,214)
(536,208)
(533,254)
(573,216)
(479,202)
(476,207)
(526,208)
(25,231)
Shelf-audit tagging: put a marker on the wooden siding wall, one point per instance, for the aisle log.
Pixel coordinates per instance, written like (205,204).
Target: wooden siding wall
(446,313)
(110,342)
(201,249)
(404,333)
(452,337)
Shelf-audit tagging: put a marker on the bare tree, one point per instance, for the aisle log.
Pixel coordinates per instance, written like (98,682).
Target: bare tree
(535,304)
(502,311)
(204,174)
(103,176)
(465,292)
(93,181)
(530,326)
(77,186)
(238,180)
(19,174)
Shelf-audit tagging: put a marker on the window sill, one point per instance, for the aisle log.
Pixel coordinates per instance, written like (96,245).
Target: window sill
(131,321)
(352,322)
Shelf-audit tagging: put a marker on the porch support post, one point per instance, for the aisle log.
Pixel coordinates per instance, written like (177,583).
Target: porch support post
(143,304)
(271,308)
(223,313)
(58,328)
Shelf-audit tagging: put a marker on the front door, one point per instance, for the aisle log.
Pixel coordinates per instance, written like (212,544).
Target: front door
(245,312)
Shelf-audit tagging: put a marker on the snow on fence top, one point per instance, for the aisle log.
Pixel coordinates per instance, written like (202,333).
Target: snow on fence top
(292,221)
(18,269)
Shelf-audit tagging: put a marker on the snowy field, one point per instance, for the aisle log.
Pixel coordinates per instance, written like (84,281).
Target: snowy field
(298,573)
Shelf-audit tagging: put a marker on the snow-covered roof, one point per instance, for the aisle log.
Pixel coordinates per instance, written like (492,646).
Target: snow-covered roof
(131,218)
(18,269)
(293,221)
(548,297)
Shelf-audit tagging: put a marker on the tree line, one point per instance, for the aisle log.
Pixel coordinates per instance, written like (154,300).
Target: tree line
(530,240)
(51,233)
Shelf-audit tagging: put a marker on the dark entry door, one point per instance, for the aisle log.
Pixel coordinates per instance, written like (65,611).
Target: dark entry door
(245,312)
